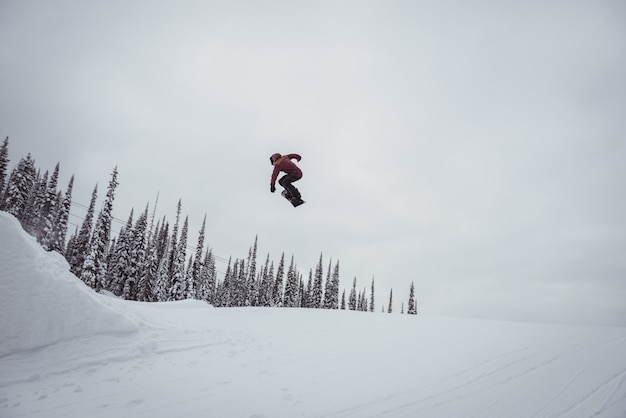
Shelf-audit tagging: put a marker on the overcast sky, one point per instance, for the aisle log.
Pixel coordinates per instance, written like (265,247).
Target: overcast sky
(477,149)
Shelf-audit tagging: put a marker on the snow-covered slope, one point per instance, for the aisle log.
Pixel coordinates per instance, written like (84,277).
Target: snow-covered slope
(42,302)
(67,351)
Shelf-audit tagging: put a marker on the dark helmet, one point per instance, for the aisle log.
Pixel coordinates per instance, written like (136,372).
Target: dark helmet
(274,157)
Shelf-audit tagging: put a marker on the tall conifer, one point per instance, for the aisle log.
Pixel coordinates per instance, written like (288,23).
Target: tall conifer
(94,267)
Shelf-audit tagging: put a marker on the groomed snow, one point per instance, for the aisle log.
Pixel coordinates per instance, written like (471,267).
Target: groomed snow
(66,351)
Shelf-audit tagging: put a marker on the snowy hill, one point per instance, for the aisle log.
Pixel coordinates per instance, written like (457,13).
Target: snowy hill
(67,351)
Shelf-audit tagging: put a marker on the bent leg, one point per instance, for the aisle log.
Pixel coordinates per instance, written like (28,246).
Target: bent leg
(286,181)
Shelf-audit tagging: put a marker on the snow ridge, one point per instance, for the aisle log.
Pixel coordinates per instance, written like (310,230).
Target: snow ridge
(42,302)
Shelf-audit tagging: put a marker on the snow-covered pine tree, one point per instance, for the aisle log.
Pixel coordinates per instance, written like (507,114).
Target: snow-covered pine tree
(291,286)
(149,270)
(32,218)
(237,284)
(362,305)
(301,291)
(277,290)
(19,188)
(4,164)
(335,282)
(163,241)
(94,267)
(243,284)
(316,292)
(76,253)
(161,288)
(389,309)
(343,300)
(352,301)
(189,291)
(197,264)
(119,259)
(412,308)
(307,300)
(267,283)
(57,243)
(178,267)
(331,293)
(371,307)
(225,288)
(252,283)
(230,285)
(49,211)
(207,278)
(137,257)
(174,241)
(328,288)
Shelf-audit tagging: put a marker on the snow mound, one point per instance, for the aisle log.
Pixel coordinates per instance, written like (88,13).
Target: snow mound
(41,301)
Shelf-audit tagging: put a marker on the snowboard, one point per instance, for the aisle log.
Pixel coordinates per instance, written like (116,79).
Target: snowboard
(293,201)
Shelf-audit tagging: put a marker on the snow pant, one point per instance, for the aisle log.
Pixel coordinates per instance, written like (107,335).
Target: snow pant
(286,181)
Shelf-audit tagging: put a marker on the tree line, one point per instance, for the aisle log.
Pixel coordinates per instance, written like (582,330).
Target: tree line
(148,260)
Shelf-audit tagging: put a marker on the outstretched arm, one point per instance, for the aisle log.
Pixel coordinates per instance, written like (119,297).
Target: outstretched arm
(296,156)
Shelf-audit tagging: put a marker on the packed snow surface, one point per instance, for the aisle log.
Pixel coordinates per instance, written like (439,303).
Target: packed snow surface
(66,351)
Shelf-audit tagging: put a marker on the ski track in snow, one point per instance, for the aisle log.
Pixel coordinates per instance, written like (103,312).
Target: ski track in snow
(187,359)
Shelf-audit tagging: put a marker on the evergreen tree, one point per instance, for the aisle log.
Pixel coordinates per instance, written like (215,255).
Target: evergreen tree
(119,260)
(19,188)
(163,241)
(301,293)
(57,241)
(277,291)
(389,310)
(343,300)
(331,294)
(412,309)
(267,283)
(148,277)
(94,267)
(308,294)
(49,211)
(197,264)
(362,305)
(316,292)
(371,307)
(252,285)
(173,256)
(352,302)
(243,291)
(328,289)
(291,286)
(161,289)
(137,258)
(207,281)
(34,218)
(189,291)
(4,164)
(77,252)
(224,288)
(177,290)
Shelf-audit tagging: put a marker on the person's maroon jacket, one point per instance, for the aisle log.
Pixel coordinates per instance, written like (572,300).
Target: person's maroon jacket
(285,164)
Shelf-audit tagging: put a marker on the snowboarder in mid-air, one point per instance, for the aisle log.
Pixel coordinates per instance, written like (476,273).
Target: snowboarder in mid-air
(292,173)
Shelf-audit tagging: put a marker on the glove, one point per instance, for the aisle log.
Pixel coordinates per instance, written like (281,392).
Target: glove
(272,189)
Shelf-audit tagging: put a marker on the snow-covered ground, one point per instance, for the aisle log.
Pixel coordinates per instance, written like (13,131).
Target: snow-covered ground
(66,351)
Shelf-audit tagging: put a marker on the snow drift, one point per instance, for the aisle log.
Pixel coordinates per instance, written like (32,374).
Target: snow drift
(42,302)
(67,351)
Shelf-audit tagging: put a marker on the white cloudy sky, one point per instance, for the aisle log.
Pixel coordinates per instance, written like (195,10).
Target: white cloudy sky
(476,148)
